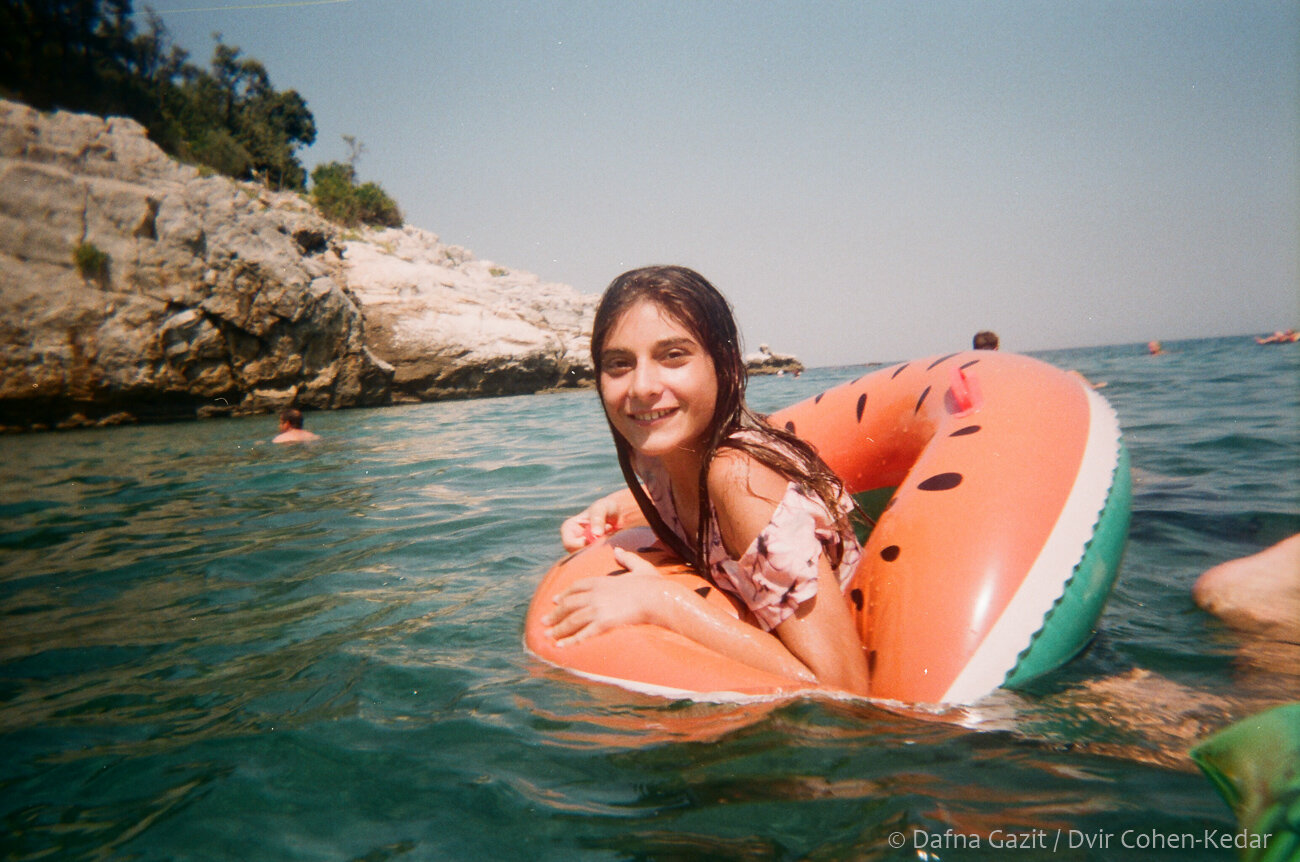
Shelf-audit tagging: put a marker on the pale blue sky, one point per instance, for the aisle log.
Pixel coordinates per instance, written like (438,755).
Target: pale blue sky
(866,181)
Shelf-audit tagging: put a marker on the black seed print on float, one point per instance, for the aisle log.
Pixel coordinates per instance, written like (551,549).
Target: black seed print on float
(789,426)
(862,405)
(899,370)
(941,482)
(890,553)
(962,432)
(703,592)
(921,400)
(856,596)
(818,399)
(969,364)
(941,360)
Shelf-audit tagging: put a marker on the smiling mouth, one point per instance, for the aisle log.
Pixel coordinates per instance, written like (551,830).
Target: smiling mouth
(653,415)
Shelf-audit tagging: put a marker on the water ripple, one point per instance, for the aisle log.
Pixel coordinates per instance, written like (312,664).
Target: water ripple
(214,647)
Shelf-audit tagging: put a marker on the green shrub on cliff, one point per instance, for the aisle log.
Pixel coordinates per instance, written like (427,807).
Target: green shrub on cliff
(218,150)
(92,263)
(338,197)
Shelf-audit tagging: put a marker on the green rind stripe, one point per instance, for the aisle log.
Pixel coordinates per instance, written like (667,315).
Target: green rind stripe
(1070,624)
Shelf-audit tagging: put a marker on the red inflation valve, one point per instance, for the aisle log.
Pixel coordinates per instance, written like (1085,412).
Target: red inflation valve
(964,389)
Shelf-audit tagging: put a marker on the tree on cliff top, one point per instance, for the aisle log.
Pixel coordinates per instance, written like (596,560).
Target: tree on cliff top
(337,195)
(85,55)
(67,53)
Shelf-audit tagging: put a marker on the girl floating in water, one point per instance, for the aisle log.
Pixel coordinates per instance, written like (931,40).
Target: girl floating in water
(750,506)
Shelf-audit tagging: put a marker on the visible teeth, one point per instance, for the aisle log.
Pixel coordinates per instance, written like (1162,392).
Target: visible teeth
(653,415)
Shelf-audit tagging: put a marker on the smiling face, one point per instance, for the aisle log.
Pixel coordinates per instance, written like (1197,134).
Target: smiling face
(657,383)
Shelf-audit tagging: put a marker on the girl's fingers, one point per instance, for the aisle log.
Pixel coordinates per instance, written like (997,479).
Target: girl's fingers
(582,586)
(573,628)
(632,561)
(571,533)
(598,519)
(594,522)
(605,516)
(563,607)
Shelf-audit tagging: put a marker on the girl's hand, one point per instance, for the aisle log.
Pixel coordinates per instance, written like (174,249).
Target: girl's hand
(595,605)
(601,517)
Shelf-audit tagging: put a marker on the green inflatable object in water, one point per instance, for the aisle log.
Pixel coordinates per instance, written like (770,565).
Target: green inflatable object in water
(1255,765)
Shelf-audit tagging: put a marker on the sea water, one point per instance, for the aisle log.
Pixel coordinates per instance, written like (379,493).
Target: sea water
(213,647)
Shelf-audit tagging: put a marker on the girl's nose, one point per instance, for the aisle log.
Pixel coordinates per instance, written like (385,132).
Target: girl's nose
(645,381)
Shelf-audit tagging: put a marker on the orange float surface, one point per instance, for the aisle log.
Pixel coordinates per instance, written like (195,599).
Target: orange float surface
(644,657)
(1002,467)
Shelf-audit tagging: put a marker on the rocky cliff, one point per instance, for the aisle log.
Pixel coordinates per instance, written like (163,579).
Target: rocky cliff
(134,288)
(453,326)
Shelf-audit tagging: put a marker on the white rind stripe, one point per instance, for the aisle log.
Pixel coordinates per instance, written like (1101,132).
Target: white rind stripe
(996,656)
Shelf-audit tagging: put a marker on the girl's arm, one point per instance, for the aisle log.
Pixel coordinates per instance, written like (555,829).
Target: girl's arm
(821,634)
(643,596)
(613,512)
(818,644)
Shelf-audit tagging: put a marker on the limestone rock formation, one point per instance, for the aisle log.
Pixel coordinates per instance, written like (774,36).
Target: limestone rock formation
(134,288)
(454,326)
(767,362)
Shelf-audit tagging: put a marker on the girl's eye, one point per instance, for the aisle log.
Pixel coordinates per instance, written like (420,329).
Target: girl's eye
(615,365)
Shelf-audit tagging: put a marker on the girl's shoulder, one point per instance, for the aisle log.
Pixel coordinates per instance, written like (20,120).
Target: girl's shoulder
(744,494)
(735,458)
(736,475)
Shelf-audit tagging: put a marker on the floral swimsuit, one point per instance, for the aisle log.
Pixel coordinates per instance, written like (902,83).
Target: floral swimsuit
(778,571)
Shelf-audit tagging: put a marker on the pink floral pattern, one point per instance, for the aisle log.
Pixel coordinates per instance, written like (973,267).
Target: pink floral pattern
(778,571)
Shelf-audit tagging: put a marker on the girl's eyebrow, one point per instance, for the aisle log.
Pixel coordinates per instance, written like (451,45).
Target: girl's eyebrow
(677,341)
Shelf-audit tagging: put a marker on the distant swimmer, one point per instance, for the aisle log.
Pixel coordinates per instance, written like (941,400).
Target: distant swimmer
(986,339)
(1279,337)
(291,430)
(1155,348)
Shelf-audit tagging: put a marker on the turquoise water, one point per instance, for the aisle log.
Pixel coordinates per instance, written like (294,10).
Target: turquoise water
(218,648)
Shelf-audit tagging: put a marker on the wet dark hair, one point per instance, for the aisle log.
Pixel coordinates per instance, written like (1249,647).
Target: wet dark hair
(292,417)
(688,298)
(985,340)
